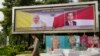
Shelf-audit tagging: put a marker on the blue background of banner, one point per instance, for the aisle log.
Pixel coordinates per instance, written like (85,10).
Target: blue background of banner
(63,41)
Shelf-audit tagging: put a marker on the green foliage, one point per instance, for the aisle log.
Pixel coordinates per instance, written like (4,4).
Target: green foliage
(55,1)
(6,24)
(19,39)
(11,50)
(2,39)
(38,3)
(51,2)
(26,2)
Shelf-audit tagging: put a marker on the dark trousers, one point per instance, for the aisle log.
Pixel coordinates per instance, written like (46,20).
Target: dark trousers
(36,53)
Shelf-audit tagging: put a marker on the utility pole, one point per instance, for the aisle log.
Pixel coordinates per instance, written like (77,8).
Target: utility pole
(7,41)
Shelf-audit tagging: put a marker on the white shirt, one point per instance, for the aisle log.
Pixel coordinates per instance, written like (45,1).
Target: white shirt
(38,25)
(70,23)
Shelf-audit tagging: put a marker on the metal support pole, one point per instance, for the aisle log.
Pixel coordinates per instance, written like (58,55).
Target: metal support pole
(7,42)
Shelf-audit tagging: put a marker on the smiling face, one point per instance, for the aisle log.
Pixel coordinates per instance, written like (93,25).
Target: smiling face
(36,19)
(70,16)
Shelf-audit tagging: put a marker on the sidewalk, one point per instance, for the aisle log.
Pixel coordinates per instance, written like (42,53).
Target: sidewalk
(42,54)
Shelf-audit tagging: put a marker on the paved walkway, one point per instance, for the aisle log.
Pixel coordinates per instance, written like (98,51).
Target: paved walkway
(42,54)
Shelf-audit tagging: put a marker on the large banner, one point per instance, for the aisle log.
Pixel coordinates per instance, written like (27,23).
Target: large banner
(54,18)
(62,42)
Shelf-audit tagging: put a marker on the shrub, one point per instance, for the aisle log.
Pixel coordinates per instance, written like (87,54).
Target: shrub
(11,50)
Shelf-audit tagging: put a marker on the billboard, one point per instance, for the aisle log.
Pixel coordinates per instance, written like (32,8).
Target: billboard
(55,18)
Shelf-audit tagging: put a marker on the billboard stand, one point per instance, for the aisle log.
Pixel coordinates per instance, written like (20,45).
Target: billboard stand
(7,41)
(44,38)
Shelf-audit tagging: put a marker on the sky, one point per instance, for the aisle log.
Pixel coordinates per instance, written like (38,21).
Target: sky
(1,14)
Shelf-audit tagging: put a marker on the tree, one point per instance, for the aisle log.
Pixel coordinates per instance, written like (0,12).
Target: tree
(55,1)
(2,39)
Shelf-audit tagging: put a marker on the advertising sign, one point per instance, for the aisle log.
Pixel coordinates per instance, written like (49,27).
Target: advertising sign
(55,18)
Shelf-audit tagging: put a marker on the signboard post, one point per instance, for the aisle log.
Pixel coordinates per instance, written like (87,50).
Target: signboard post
(7,40)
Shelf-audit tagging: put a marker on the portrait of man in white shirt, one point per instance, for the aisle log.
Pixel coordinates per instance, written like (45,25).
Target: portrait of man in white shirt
(37,23)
